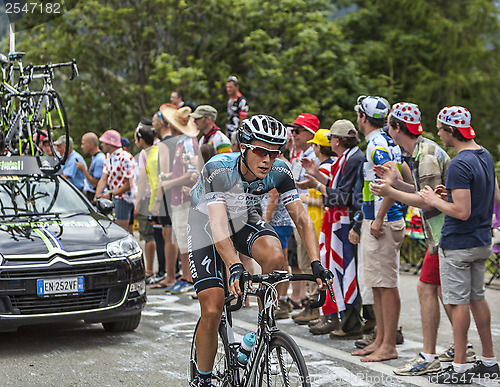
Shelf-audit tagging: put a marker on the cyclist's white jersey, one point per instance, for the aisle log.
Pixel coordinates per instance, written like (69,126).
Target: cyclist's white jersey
(221,181)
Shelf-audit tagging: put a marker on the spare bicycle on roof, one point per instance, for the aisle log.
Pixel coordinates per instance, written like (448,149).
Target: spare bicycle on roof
(29,116)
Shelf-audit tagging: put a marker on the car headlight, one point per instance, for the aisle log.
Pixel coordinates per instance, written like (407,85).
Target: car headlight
(126,247)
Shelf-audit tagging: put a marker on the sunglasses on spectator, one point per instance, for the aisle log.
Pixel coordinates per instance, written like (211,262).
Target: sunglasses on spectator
(263,152)
(298,130)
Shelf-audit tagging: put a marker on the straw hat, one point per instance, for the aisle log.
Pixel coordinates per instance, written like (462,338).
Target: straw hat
(179,118)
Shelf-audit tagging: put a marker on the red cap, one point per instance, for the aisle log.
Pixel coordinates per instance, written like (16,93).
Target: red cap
(307,121)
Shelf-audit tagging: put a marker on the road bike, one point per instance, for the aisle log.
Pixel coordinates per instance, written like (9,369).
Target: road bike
(27,118)
(275,359)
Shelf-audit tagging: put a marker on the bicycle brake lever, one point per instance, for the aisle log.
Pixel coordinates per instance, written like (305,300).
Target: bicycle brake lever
(330,291)
(74,70)
(245,293)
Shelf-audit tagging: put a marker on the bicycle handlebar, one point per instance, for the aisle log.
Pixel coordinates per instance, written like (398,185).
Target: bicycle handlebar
(50,66)
(277,276)
(25,94)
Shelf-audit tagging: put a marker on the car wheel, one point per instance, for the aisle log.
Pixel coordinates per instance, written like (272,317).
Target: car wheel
(125,325)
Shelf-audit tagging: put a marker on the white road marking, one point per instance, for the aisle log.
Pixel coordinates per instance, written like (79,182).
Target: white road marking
(360,379)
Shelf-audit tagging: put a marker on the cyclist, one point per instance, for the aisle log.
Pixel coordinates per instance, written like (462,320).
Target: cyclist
(224,219)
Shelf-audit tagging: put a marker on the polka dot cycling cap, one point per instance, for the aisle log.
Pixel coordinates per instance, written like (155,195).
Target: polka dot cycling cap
(410,114)
(459,117)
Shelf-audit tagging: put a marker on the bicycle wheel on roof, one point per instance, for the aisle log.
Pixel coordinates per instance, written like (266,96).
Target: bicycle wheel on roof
(52,124)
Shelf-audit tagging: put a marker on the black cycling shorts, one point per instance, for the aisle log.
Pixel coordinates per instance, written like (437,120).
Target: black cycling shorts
(204,261)
(164,217)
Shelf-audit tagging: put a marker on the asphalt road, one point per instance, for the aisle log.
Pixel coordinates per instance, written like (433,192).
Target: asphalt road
(157,352)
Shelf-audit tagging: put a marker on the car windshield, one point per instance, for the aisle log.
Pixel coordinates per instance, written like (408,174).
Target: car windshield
(47,195)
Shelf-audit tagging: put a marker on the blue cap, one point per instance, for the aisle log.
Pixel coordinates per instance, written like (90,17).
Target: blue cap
(125,142)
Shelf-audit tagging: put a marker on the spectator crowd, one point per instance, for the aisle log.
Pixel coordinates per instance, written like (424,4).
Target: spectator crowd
(357,199)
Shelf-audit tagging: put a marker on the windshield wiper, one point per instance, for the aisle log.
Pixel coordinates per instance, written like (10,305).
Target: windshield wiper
(31,214)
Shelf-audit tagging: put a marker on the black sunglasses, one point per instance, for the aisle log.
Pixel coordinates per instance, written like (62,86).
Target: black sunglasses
(298,130)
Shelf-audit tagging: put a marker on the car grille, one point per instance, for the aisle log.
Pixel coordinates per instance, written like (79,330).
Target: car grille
(105,286)
(36,305)
(91,269)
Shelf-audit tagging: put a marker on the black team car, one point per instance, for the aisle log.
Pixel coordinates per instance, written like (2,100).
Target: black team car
(60,258)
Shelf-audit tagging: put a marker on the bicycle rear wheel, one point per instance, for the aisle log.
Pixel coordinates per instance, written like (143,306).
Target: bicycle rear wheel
(221,374)
(285,366)
(53,123)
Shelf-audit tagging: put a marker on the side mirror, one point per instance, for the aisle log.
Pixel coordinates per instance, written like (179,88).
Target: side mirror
(105,206)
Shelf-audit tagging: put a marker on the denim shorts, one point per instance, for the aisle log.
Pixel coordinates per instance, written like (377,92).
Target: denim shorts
(122,209)
(284,233)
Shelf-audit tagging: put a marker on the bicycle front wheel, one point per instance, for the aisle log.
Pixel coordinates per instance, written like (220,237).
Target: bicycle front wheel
(55,124)
(285,365)
(221,374)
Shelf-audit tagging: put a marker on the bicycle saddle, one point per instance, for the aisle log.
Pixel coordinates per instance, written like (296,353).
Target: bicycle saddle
(3,59)
(16,55)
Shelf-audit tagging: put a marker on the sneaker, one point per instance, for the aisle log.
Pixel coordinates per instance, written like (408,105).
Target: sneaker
(184,287)
(175,286)
(328,324)
(154,279)
(419,366)
(450,376)
(282,311)
(449,354)
(187,288)
(480,371)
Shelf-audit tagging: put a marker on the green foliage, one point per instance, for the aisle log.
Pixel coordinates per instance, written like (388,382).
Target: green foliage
(433,53)
(290,56)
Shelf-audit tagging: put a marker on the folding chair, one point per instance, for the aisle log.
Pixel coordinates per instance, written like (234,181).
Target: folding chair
(492,264)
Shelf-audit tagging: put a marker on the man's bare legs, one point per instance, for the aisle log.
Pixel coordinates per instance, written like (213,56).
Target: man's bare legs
(482,317)
(298,287)
(387,305)
(460,315)
(211,302)
(430,314)
(149,256)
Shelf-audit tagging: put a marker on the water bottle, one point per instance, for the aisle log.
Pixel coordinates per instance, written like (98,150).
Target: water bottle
(245,348)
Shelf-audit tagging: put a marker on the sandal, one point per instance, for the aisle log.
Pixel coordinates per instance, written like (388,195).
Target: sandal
(159,285)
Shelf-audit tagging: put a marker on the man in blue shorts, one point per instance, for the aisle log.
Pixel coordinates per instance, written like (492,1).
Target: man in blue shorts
(224,220)
(467,201)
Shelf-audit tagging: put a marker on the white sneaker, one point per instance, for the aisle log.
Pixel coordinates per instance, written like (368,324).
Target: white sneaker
(449,354)
(419,366)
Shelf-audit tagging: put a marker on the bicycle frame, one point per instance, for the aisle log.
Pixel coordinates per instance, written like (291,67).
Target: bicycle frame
(268,298)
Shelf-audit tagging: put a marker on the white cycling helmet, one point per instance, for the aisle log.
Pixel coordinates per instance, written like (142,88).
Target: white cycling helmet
(264,128)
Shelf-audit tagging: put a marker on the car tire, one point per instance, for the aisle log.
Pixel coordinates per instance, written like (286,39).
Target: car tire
(128,324)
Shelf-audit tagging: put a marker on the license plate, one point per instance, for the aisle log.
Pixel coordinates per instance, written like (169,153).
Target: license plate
(59,285)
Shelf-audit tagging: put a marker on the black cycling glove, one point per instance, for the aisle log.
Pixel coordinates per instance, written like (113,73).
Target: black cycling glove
(236,272)
(320,272)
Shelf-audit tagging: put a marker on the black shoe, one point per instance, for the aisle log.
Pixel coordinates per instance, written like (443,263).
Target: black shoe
(479,370)
(450,376)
